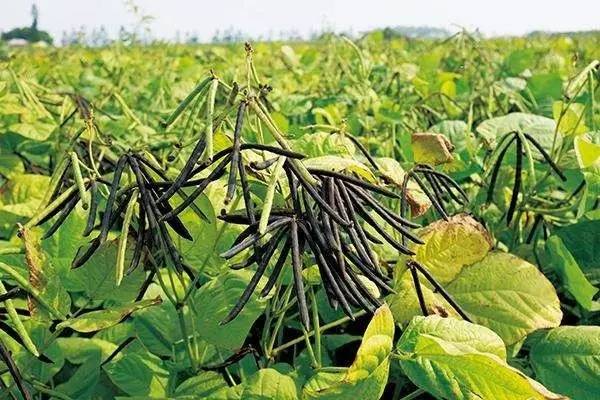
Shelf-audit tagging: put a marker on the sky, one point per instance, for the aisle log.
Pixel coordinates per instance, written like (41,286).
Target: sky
(258,18)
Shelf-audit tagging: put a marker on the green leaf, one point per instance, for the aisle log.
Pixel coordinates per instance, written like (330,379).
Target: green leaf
(326,385)
(139,375)
(449,89)
(10,105)
(324,143)
(573,279)
(201,386)
(404,304)
(10,165)
(500,291)
(82,383)
(311,275)
(519,60)
(541,128)
(203,234)
(508,295)
(44,277)
(570,118)
(25,188)
(518,297)
(96,320)
(37,130)
(296,105)
(545,87)
(22,195)
(61,248)
(366,378)
(341,164)
(158,328)
(457,132)
(591,192)
(567,360)
(96,277)
(44,341)
(78,350)
(583,242)
(465,336)
(386,114)
(219,295)
(268,384)
(457,360)
(587,152)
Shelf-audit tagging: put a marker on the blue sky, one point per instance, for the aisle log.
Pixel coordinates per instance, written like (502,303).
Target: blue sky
(264,17)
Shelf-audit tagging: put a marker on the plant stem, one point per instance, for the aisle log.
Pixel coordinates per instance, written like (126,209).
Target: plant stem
(413,395)
(310,350)
(321,330)
(186,337)
(270,352)
(317,328)
(163,285)
(53,393)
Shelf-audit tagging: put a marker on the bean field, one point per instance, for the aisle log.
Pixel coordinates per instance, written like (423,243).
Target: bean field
(336,219)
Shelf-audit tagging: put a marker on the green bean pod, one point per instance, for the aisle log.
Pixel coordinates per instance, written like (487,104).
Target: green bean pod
(19,327)
(51,209)
(268,201)
(183,105)
(56,178)
(85,201)
(122,249)
(210,111)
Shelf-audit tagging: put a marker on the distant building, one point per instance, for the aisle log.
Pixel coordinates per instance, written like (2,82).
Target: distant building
(16,42)
(428,32)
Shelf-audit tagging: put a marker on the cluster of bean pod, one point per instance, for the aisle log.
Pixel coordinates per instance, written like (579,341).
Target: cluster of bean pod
(333,222)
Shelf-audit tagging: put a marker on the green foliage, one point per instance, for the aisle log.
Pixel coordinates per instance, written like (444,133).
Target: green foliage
(218,296)
(521,300)
(367,376)
(541,128)
(32,35)
(158,333)
(567,360)
(459,360)
(571,275)
(497,290)
(139,375)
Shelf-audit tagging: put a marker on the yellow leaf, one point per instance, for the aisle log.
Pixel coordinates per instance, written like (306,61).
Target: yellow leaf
(451,245)
(588,153)
(570,118)
(431,148)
